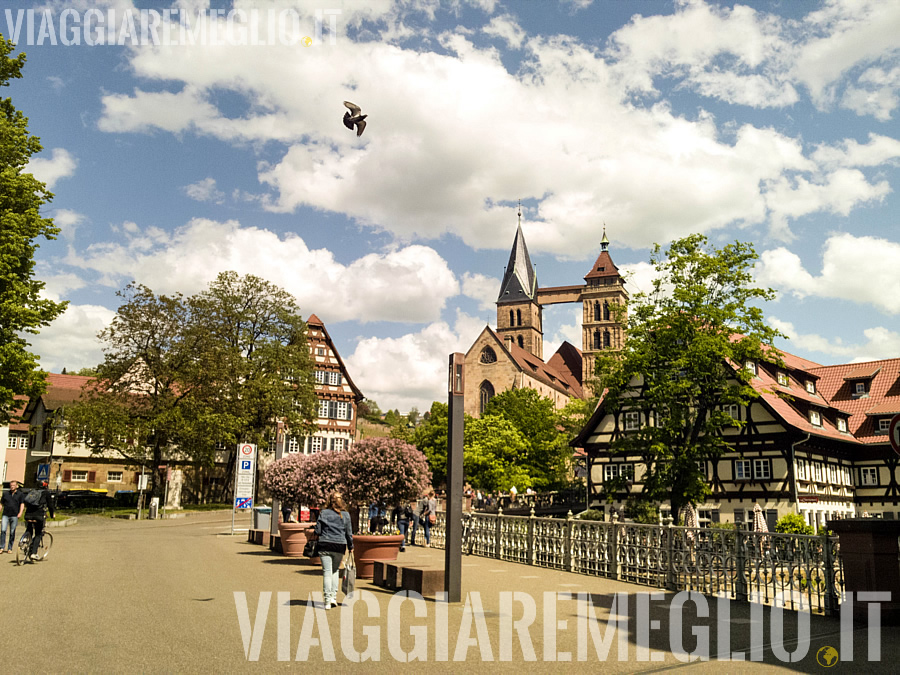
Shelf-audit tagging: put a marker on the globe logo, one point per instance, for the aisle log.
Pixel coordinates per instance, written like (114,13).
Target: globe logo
(827,656)
(307,41)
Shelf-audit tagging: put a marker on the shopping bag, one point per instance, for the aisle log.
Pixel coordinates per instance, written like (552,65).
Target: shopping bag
(348,584)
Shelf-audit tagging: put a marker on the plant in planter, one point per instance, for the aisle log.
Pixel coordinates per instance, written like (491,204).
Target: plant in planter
(282,479)
(388,471)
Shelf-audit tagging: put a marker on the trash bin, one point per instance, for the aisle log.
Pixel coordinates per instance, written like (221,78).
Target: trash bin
(262,517)
(154,507)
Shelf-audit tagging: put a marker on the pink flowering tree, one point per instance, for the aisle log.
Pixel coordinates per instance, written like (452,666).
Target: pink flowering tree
(322,474)
(282,477)
(386,470)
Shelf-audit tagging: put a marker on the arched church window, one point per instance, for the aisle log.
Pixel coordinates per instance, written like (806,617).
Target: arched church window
(486,393)
(597,338)
(488,355)
(606,311)
(606,339)
(597,314)
(518,317)
(521,342)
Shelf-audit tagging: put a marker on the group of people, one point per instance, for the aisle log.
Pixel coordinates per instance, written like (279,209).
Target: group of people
(334,531)
(34,511)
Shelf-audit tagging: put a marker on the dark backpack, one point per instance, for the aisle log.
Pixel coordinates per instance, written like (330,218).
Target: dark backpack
(33,498)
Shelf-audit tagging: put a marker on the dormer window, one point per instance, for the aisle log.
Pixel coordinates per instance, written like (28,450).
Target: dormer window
(783,379)
(841,424)
(750,366)
(811,386)
(884,425)
(632,421)
(815,418)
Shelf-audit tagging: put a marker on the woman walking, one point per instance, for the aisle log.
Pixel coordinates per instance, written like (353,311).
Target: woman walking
(335,532)
(428,513)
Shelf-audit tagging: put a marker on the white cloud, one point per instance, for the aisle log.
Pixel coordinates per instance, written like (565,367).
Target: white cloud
(877,93)
(410,370)
(482,288)
(71,340)
(858,269)
(67,221)
(880,343)
(205,191)
(409,284)
(535,132)
(506,28)
(61,164)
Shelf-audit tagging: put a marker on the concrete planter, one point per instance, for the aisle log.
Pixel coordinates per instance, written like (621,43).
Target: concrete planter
(367,548)
(293,538)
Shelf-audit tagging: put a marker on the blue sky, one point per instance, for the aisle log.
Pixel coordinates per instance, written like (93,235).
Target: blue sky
(774,123)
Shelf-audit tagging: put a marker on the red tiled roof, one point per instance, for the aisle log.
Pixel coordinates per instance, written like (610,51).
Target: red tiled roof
(864,373)
(885,408)
(603,267)
(551,374)
(312,318)
(883,394)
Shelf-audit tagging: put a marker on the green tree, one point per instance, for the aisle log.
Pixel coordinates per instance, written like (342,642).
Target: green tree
(430,437)
(688,341)
(22,309)
(548,455)
(492,454)
(793,523)
(182,375)
(413,416)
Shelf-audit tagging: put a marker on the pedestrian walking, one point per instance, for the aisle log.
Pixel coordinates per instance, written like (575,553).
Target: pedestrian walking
(427,514)
(13,506)
(400,518)
(335,532)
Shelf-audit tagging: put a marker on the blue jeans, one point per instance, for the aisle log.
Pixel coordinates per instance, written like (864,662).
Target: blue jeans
(403,526)
(9,522)
(331,561)
(426,523)
(412,532)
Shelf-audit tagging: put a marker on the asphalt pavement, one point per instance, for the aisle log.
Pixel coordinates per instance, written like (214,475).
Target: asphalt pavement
(185,596)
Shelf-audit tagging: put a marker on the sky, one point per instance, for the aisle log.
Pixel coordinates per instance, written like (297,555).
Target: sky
(174,155)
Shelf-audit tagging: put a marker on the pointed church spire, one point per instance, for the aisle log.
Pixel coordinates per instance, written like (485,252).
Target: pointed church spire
(604,243)
(519,280)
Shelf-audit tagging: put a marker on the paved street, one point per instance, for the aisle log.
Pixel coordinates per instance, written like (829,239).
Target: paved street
(158,596)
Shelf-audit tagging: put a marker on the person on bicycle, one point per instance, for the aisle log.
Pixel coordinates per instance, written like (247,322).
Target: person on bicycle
(35,515)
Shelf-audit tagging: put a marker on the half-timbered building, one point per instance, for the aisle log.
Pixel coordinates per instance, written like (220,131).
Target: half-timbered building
(815,442)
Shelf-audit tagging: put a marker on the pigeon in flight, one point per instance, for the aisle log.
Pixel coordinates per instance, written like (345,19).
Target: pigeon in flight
(354,117)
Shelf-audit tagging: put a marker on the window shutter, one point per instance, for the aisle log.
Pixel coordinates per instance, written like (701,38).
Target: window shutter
(67,476)
(349,411)
(92,476)
(714,516)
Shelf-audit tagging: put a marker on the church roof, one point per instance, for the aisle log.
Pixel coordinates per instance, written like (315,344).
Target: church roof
(603,266)
(519,281)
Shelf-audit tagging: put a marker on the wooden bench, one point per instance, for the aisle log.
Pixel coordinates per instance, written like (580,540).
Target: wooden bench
(426,581)
(258,537)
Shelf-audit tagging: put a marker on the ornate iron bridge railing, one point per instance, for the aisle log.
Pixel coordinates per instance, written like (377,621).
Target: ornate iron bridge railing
(798,572)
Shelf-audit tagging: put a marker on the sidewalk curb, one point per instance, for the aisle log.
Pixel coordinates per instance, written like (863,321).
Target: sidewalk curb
(63,523)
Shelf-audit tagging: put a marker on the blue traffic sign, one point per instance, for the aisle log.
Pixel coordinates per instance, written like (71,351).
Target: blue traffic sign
(243,502)
(246,465)
(43,472)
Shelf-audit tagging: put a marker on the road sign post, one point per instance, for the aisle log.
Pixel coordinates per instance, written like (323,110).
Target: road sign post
(244,473)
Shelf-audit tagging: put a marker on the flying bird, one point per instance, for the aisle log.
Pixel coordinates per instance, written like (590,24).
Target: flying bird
(354,117)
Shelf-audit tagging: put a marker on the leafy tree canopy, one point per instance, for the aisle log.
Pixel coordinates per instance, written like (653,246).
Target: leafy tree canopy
(430,437)
(22,309)
(492,454)
(688,340)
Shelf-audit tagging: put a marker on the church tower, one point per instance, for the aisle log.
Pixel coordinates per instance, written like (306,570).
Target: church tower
(519,316)
(600,328)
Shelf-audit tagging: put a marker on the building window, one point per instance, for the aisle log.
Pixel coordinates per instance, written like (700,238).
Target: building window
(486,393)
(783,379)
(598,344)
(817,472)
(337,444)
(868,475)
(512,318)
(113,476)
(841,424)
(811,386)
(884,425)
(293,444)
(488,355)
(315,444)
(732,409)
(597,315)
(606,340)
(815,418)
(518,317)
(742,469)
(750,366)
(801,470)
(18,440)
(79,476)
(320,377)
(701,467)
(860,388)
(606,311)
(613,471)
(320,351)
(762,469)
(632,421)
(521,342)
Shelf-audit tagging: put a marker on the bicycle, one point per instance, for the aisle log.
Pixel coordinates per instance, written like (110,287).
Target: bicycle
(24,547)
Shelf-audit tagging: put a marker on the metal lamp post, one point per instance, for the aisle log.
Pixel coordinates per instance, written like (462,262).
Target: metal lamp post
(455,424)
